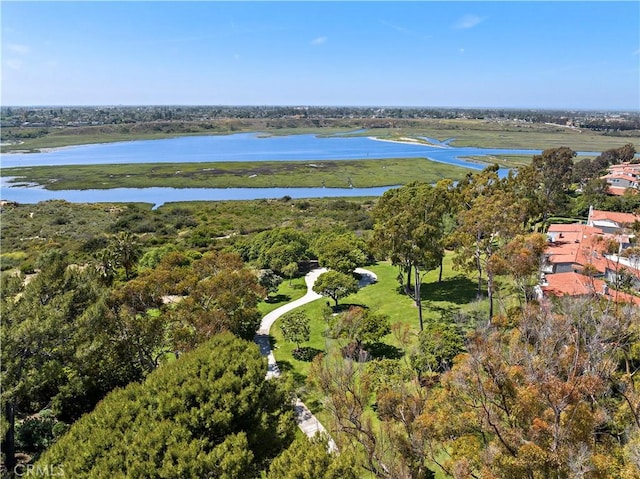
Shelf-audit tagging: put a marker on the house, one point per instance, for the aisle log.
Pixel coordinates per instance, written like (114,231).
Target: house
(587,259)
(622,177)
(611,221)
(572,247)
(621,180)
(617,190)
(623,269)
(575,284)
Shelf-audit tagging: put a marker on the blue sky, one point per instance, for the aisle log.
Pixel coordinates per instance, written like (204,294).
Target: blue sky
(575,55)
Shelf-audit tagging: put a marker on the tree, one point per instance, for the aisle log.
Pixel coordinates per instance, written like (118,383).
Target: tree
(295,327)
(408,226)
(437,346)
(547,178)
(409,230)
(61,348)
(535,400)
(335,285)
(208,414)
(627,153)
(584,171)
(127,315)
(615,156)
(104,263)
(290,270)
(275,248)
(491,216)
(341,252)
(394,447)
(361,328)
(521,259)
(595,193)
(269,280)
(126,251)
(151,259)
(310,459)
(222,296)
(346,392)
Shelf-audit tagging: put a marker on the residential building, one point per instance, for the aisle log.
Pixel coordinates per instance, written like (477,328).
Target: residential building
(611,221)
(622,177)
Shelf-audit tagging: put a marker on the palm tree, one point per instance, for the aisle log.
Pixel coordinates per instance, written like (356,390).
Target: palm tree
(126,251)
(105,264)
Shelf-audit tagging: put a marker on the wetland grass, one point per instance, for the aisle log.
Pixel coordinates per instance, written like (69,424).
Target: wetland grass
(263,174)
(467,132)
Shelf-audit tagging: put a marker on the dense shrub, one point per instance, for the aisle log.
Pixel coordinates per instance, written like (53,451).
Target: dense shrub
(208,414)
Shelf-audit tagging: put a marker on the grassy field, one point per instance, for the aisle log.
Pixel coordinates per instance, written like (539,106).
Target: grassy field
(332,174)
(506,161)
(467,132)
(509,161)
(456,292)
(287,291)
(493,134)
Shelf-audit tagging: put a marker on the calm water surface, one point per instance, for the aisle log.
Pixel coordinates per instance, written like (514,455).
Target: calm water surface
(248,147)
(238,147)
(159,196)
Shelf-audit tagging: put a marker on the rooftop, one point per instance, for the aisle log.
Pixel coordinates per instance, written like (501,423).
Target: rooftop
(575,284)
(622,219)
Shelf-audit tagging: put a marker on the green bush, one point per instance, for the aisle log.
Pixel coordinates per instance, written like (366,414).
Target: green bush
(208,414)
(35,434)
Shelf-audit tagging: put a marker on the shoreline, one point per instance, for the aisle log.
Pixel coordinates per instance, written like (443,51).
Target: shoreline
(408,141)
(49,149)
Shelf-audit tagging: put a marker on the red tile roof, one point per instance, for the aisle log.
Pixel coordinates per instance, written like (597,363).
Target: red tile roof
(577,228)
(630,167)
(620,218)
(617,190)
(621,176)
(575,284)
(576,244)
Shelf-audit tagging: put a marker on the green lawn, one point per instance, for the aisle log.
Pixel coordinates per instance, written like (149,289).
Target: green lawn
(457,291)
(287,291)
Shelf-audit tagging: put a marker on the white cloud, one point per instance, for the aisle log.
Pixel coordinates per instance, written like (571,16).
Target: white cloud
(405,31)
(319,41)
(14,64)
(468,21)
(17,48)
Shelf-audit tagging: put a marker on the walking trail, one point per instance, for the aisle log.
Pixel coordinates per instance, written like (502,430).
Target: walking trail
(307,422)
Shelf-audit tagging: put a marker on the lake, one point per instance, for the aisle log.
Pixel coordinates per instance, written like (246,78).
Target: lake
(159,196)
(237,147)
(249,147)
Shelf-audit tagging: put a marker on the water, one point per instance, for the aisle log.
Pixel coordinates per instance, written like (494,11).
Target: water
(237,147)
(248,147)
(159,196)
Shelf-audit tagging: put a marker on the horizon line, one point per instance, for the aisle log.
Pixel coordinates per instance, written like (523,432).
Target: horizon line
(301,105)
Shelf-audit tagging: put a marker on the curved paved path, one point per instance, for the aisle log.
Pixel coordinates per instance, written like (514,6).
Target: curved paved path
(262,336)
(304,417)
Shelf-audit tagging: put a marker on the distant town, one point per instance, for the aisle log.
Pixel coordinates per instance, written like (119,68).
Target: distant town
(69,116)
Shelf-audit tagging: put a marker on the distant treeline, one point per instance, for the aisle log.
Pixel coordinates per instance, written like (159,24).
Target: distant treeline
(73,116)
